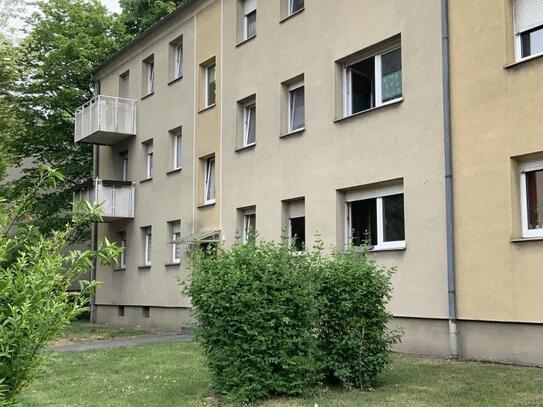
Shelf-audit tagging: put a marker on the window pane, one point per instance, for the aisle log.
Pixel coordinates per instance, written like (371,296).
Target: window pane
(391,81)
(534,191)
(178,61)
(393,218)
(250,21)
(296,5)
(250,227)
(532,42)
(297,232)
(364,222)
(150,77)
(362,85)
(297,103)
(177,152)
(211,85)
(210,174)
(251,125)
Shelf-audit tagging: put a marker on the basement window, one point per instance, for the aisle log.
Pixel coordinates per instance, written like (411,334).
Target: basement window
(373,81)
(375,217)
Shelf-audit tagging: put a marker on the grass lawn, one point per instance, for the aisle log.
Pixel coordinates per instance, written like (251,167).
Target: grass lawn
(172,374)
(80,331)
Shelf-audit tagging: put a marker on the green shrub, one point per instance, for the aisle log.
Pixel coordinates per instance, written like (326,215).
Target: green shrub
(275,322)
(256,308)
(352,331)
(34,278)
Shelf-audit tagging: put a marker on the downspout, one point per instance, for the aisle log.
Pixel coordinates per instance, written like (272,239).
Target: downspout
(449,210)
(94,234)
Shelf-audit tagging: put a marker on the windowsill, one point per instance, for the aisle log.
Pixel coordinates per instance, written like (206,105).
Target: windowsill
(174,171)
(523,60)
(120,269)
(245,41)
(399,247)
(172,264)
(394,102)
(293,133)
(148,95)
(207,204)
(144,267)
(291,15)
(245,148)
(146,180)
(527,239)
(175,80)
(207,108)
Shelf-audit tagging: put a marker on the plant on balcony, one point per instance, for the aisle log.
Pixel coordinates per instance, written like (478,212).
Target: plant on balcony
(35,275)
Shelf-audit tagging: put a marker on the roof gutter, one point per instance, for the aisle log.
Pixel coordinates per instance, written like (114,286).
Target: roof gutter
(449,209)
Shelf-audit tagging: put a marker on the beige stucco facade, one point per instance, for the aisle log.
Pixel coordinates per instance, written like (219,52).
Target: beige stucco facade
(496,124)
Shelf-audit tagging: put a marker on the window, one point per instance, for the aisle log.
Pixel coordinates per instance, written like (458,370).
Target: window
(531,196)
(528,23)
(177,148)
(120,310)
(373,81)
(121,240)
(296,107)
(249,19)
(249,124)
(124,80)
(294,6)
(176,58)
(249,225)
(376,217)
(124,165)
(296,224)
(147,245)
(149,159)
(211,85)
(209,182)
(145,312)
(175,233)
(149,75)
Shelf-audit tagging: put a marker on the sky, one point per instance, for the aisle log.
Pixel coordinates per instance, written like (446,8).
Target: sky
(112,5)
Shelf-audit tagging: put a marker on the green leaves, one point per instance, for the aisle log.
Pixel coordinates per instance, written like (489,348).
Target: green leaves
(273,322)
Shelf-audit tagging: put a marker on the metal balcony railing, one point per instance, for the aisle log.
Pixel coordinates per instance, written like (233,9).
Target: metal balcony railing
(116,197)
(105,120)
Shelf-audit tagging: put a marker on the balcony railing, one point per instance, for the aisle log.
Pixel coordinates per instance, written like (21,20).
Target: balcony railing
(105,120)
(116,197)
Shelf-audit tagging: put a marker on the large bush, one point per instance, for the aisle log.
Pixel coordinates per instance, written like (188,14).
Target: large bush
(34,278)
(275,322)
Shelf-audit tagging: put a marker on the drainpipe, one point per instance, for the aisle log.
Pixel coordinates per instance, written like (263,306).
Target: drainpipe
(94,235)
(449,212)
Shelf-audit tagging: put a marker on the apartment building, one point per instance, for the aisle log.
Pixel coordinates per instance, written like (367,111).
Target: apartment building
(330,120)
(496,67)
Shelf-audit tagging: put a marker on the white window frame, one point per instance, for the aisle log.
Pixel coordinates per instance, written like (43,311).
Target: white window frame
(177,150)
(247,116)
(534,10)
(178,61)
(207,180)
(523,169)
(150,75)
(148,243)
(292,88)
(347,82)
(207,83)
(176,242)
(291,8)
(122,256)
(149,160)
(246,14)
(247,214)
(378,195)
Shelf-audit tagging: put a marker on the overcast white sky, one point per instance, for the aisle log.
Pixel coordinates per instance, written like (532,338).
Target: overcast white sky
(112,5)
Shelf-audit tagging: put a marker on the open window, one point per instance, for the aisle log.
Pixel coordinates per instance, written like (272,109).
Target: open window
(247,117)
(177,148)
(375,217)
(531,198)
(296,224)
(296,107)
(176,58)
(209,181)
(148,75)
(371,79)
(147,245)
(121,241)
(175,236)
(148,146)
(248,224)
(210,84)
(528,25)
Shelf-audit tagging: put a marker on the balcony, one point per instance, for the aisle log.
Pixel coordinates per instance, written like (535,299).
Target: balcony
(105,120)
(116,197)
